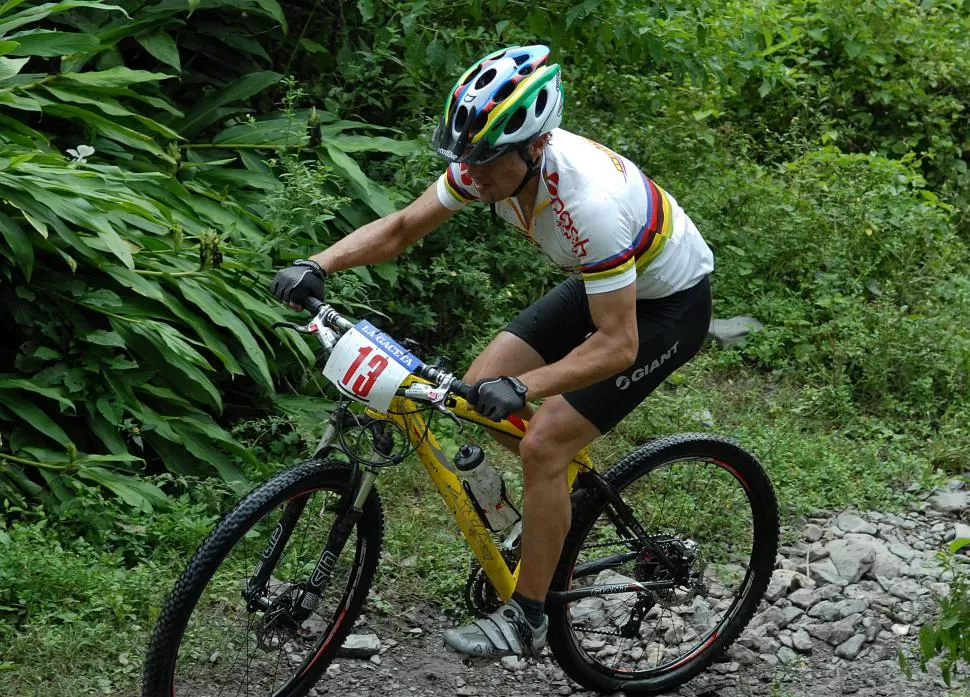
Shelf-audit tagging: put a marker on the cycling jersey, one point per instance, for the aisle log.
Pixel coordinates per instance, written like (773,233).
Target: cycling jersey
(597,215)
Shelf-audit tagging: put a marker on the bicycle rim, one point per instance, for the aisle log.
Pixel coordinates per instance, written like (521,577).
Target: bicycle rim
(230,645)
(720,534)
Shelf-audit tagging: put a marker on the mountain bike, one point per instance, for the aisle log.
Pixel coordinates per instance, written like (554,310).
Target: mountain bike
(668,555)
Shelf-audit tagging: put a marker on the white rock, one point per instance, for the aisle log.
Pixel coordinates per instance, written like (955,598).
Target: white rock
(802,598)
(900,629)
(950,501)
(825,571)
(514,663)
(850,522)
(801,641)
(852,559)
(360,646)
(812,532)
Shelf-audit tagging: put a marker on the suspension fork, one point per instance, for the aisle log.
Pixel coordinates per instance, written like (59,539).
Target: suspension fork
(339,534)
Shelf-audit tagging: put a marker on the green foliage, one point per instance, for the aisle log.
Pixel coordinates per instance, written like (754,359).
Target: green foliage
(135,269)
(854,267)
(947,636)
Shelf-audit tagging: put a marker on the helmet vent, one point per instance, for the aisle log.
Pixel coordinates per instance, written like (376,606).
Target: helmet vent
(503,92)
(471,76)
(516,121)
(541,101)
(526,70)
(479,122)
(461,116)
(485,78)
(521,58)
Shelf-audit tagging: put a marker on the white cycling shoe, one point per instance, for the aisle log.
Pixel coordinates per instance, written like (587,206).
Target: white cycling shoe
(506,632)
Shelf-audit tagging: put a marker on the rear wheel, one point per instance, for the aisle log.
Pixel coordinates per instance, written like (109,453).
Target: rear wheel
(220,633)
(678,570)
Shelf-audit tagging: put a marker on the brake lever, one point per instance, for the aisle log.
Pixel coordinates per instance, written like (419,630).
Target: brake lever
(287,325)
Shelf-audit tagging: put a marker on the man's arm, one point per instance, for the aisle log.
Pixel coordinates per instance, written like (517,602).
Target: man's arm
(610,349)
(386,237)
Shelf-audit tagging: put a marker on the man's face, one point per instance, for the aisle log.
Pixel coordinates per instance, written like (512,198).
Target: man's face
(496,180)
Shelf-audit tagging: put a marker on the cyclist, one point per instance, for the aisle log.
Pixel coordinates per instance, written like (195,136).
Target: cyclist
(637,304)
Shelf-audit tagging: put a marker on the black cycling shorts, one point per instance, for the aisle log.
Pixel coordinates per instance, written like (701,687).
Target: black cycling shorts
(671,331)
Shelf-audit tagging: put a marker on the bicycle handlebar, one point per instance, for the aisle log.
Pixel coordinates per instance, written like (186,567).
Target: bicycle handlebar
(338,323)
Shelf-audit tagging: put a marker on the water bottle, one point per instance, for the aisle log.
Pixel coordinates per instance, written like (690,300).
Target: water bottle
(486,488)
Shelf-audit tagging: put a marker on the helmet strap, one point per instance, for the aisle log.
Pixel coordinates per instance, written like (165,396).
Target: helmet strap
(532,167)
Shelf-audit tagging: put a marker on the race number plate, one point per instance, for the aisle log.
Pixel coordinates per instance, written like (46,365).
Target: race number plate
(368,366)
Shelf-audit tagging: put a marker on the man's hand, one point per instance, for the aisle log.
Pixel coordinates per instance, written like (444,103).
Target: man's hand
(498,397)
(294,284)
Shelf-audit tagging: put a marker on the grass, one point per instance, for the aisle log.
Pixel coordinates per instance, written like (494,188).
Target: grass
(76,616)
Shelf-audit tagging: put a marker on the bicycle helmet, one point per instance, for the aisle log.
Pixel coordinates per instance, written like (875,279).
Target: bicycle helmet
(499,104)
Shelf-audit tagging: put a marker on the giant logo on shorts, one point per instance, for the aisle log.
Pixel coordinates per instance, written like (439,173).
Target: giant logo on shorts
(624,382)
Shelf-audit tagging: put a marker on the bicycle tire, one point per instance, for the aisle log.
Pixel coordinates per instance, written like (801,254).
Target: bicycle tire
(631,672)
(172,649)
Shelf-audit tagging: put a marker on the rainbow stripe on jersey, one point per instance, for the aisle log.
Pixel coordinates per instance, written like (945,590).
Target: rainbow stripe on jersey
(647,245)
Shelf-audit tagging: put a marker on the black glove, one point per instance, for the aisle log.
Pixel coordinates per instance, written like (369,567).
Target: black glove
(294,284)
(496,398)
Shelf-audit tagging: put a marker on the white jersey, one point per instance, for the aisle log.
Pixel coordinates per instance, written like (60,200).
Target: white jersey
(599,216)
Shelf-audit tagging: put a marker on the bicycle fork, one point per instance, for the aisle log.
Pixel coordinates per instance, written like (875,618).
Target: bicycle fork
(309,595)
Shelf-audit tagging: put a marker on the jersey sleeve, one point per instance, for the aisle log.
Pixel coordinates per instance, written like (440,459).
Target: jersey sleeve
(455,188)
(605,246)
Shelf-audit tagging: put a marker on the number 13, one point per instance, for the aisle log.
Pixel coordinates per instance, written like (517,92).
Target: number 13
(365,381)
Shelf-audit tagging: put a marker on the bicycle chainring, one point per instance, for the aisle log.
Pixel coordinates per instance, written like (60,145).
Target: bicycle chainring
(480,596)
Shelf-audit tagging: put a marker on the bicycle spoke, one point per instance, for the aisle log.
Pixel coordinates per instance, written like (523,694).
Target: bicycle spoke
(689,503)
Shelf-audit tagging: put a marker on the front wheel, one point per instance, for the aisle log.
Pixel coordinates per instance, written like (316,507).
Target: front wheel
(656,584)
(237,622)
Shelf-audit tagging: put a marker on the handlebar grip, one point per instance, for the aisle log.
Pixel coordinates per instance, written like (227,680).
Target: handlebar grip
(462,389)
(312,305)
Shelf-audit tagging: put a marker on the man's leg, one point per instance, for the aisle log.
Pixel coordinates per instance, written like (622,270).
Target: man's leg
(556,433)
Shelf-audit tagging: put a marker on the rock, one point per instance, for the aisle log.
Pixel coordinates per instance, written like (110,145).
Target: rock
(961,531)
(950,501)
(786,655)
(826,611)
(900,629)
(851,558)
(802,598)
(770,659)
(791,614)
(742,655)
(360,646)
(850,607)
(812,532)
(801,641)
(782,581)
(732,667)
(515,663)
(850,522)
(904,552)
(904,588)
(732,331)
(825,571)
(772,615)
(850,648)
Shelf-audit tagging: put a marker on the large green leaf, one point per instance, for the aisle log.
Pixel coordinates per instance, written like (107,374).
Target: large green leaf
(119,76)
(135,492)
(273,9)
(110,129)
(39,12)
(10,383)
(10,67)
(223,316)
(370,192)
(16,238)
(162,46)
(50,44)
(356,143)
(34,417)
(206,111)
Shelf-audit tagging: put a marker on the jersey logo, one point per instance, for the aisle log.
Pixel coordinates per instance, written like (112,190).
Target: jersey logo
(564,219)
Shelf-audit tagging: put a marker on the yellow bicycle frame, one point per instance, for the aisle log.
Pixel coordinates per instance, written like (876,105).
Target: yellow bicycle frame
(403,412)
